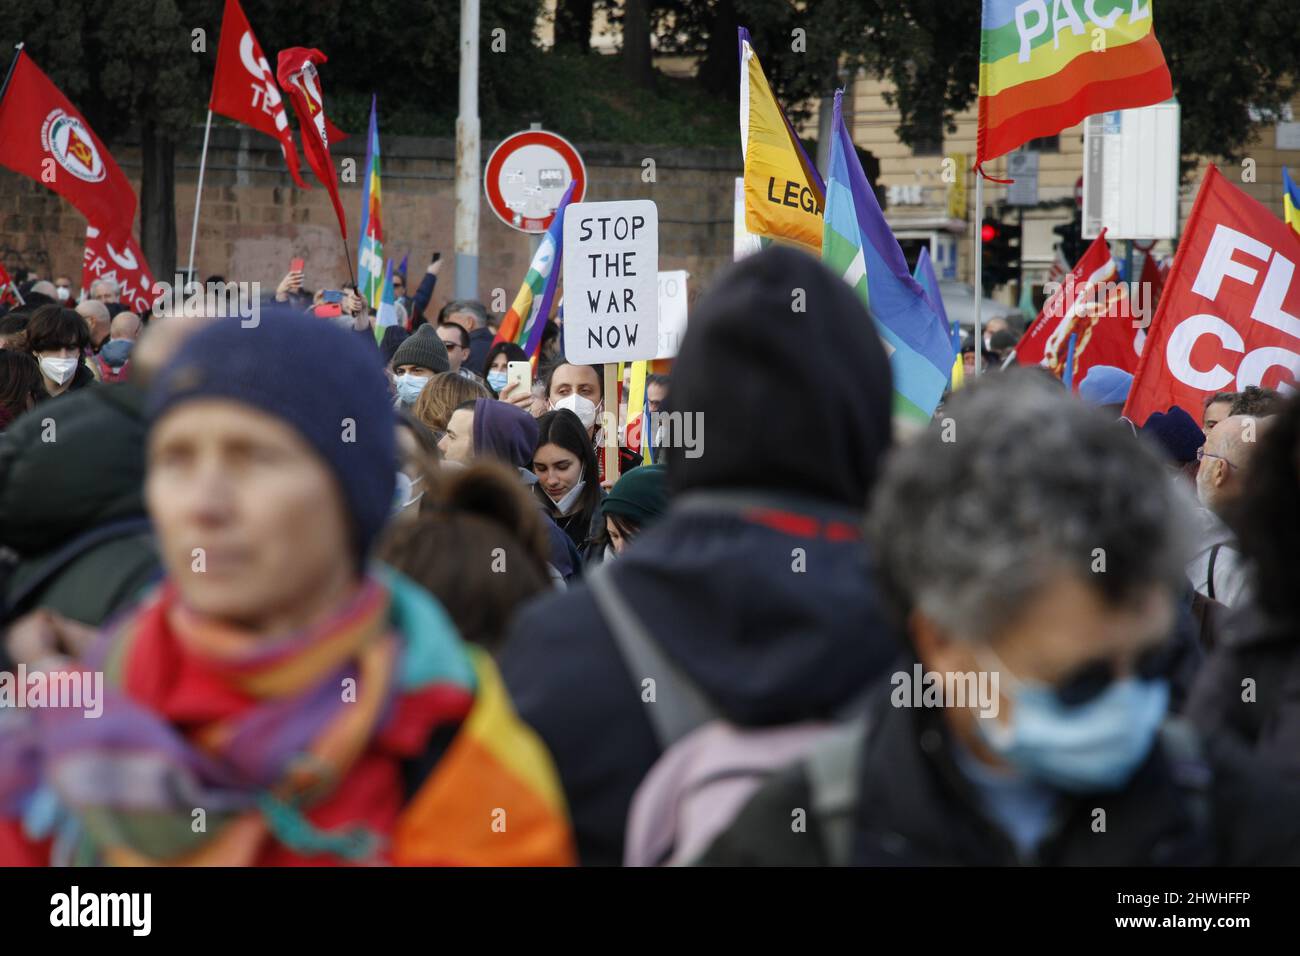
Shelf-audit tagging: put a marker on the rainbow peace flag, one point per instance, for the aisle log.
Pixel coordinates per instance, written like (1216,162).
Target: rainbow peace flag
(527,317)
(370,256)
(1047,65)
(1290,200)
(784,195)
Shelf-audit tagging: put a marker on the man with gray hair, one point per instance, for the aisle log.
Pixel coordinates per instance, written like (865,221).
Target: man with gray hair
(1025,537)
(1217,569)
(104,290)
(470,315)
(97,319)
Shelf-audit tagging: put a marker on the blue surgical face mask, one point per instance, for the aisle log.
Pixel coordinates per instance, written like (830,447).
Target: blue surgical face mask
(1095,746)
(409,387)
(497,380)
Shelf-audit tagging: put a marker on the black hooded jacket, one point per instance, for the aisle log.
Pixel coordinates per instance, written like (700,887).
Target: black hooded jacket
(756,581)
(72,508)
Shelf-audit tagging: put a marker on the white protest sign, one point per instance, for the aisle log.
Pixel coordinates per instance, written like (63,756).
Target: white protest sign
(611,281)
(672,312)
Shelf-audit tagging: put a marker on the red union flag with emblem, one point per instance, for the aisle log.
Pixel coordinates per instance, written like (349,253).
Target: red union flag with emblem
(124,265)
(1091,304)
(1229,315)
(43,137)
(244,89)
(296,71)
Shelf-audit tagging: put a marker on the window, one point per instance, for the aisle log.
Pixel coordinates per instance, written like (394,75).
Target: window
(1045,144)
(927,136)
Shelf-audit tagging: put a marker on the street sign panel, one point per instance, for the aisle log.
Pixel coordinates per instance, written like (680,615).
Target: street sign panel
(526,176)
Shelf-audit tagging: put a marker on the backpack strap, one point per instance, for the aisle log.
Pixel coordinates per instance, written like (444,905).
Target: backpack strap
(1209,576)
(680,706)
(1191,771)
(833,769)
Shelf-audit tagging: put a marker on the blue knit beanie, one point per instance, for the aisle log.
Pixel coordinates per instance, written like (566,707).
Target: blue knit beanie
(324,383)
(1177,433)
(1105,385)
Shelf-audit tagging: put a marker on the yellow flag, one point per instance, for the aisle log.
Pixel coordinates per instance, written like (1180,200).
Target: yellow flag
(784,196)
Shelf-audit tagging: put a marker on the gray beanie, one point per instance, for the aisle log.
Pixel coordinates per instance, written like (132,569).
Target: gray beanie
(424,349)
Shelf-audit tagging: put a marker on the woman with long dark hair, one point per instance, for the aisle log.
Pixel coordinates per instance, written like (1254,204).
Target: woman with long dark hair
(567,482)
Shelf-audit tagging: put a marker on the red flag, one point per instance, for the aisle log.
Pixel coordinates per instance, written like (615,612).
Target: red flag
(1153,279)
(8,291)
(243,87)
(1230,313)
(43,137)
(297,74)
(1091,304)
(125,265)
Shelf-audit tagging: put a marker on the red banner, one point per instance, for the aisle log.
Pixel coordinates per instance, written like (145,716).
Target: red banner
(296,71)
(43,137)
(1093,305)
(124,265)
(1230,312)
(244,89)
(8,291)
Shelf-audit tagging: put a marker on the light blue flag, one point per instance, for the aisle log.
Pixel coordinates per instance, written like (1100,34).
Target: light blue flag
(914,335)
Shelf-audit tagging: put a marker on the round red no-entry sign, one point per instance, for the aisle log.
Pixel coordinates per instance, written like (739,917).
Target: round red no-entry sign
(526,176)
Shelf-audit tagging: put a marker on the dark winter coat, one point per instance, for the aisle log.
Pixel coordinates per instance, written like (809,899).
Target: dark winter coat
(915,808)
(73,508)
(1249,689)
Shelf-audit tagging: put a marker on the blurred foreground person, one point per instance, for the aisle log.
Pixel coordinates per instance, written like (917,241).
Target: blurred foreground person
(1054,608)
(320,710)
(1250,684)
(479,546)
(752,584)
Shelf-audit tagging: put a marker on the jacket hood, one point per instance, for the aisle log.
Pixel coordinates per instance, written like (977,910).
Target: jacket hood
(784,368)
(504,432)
(789,626)
(51,491)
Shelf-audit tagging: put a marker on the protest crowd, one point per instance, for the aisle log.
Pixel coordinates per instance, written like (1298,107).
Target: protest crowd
(238,518)
(349,585)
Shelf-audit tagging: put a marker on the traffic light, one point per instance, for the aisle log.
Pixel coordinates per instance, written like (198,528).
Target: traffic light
(1000,259)
(1072,243)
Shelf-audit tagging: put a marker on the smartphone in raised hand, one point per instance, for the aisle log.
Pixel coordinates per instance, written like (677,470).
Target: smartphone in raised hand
(295,265)
(519,374)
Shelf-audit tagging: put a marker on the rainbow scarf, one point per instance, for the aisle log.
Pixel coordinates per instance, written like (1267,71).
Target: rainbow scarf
(216,769)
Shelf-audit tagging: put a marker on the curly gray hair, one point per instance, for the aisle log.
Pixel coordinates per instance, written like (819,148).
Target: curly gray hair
(1018,483)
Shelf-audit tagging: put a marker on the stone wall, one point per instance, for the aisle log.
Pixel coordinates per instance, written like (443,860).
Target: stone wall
(254,220)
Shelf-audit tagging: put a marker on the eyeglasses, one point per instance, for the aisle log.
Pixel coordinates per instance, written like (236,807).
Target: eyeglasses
(1088,681)
(1202,454)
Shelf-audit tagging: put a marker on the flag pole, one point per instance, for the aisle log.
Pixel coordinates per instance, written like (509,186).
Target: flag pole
(198,198)
(13,65)
(977,282)
(351,273)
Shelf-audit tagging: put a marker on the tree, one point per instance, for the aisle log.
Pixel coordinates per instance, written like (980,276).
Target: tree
(136,68)
(573,25)
(131,68)
(804,50)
